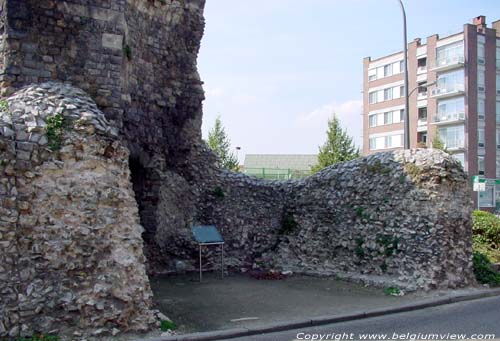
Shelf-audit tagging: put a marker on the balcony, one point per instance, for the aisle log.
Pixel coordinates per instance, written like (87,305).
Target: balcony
(448,90)
(454,144)
(421,70)
(449,118)
(448,63)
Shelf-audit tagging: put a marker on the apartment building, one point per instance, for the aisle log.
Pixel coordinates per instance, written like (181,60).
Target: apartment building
(454,86)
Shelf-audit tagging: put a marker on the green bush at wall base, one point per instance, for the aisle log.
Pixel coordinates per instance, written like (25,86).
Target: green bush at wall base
(167,325)
(483,271)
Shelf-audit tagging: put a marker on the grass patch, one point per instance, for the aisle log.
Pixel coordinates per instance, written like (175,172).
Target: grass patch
(4,105)
(393,291)
(166,325)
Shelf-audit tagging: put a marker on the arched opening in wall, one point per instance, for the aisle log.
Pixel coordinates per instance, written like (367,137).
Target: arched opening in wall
(145,203)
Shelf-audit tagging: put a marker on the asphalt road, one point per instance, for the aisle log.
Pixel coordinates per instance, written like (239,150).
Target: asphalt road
(448,322)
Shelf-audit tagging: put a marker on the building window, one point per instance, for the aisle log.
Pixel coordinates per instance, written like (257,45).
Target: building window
(402,115)
(402,66)
(402,91)
(373,143)
(388,117)
(451,81)
(498,138)
(372,97)
(480,53)
(452,136)
(498,58)
(480,165)
(422,114)
(480,80)
(450,54)
(387,70)
(422,64)
(498,166)
(498,84)
(422,137)
(387,94)
(480,137)
(450,109)
(480,108)
(372,120)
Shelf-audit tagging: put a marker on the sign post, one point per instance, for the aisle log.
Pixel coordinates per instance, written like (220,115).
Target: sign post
(209,235)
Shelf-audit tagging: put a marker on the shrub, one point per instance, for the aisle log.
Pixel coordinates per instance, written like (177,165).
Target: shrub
(54,129)
(483,271)
(486,228)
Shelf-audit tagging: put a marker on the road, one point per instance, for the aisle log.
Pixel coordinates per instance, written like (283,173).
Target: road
(468,318)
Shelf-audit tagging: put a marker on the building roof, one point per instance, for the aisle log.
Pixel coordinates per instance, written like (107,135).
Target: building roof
(281,161)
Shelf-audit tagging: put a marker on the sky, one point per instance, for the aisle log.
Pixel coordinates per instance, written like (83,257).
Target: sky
(275,71)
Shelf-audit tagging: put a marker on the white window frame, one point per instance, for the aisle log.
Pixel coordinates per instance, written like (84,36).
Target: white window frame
(373,97)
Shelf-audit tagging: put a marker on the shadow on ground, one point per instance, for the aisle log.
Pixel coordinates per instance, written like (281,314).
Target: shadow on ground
(242,301)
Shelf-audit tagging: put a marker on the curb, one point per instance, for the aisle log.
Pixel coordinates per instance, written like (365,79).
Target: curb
(327,319)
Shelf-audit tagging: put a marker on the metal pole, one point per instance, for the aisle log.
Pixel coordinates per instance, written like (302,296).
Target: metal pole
(405,65)
(222,260)
(200,263)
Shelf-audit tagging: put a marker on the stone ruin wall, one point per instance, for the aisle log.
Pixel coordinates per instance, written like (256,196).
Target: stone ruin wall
(71,251)
(135,58)
(400,218)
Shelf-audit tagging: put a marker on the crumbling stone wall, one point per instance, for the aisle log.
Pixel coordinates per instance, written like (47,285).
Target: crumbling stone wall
(400,218)
(70,240)
(135,58)
(74,249)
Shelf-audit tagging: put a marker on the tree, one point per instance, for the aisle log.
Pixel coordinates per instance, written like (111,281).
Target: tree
(437,143)
(219,142)
(338,147)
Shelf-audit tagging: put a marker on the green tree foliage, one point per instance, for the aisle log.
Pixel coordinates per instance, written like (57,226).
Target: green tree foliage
(338,147)
(437,143)
(219,142)
(486,234)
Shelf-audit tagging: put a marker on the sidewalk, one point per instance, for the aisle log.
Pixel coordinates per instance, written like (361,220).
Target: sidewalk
(239,304)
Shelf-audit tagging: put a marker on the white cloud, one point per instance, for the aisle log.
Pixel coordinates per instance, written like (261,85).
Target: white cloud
(349,114)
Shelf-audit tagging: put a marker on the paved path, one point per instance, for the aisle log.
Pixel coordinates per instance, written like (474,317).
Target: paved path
(480,316)
(243,302)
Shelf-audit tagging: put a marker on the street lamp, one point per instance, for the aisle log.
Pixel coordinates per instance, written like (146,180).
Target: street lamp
(405,65)
(426,85)
(237,150)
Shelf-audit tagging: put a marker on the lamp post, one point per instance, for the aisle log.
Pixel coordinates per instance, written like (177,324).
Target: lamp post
(237,150)
(426,85)
(405,65)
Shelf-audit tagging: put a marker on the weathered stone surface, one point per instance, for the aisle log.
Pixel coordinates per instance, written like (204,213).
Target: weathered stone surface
(71,251)
(401,218)
(70,243)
